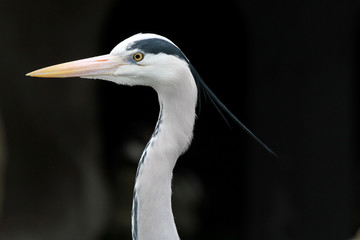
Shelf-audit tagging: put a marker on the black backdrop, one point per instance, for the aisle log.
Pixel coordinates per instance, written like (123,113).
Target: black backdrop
(287,69)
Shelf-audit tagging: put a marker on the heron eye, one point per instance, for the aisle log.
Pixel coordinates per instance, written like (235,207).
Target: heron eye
(138,56)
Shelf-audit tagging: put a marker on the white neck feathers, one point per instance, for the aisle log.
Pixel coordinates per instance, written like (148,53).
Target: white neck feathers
(152,213)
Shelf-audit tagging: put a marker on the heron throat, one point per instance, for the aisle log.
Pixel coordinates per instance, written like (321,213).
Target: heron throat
(152,216)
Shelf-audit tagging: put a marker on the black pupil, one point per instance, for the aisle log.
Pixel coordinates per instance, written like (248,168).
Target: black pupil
(138,56)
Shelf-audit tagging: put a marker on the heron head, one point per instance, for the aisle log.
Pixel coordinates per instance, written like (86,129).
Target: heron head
(143,59)
(148,60)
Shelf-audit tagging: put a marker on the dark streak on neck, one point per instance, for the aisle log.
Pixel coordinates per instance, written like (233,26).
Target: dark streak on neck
(141,162)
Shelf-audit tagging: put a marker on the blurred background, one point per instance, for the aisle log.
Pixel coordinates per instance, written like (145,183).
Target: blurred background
(288,69)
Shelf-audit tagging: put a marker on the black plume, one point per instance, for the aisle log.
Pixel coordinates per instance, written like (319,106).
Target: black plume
(206,91)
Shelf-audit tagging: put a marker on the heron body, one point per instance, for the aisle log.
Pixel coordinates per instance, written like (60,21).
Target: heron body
(152,60)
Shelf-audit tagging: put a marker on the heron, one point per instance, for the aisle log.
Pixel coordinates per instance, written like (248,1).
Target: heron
(155,61)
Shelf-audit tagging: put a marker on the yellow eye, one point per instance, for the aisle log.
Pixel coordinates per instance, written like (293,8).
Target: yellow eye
(138,56)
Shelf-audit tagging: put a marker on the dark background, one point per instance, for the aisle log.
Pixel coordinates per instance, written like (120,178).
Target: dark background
(287,69)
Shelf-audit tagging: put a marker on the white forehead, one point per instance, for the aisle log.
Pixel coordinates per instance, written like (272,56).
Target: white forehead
(122,46)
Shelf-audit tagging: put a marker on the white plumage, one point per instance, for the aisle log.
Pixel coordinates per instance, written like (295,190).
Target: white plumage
(152,60)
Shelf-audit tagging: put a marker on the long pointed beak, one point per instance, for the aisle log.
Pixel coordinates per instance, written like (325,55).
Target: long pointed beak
(101,65)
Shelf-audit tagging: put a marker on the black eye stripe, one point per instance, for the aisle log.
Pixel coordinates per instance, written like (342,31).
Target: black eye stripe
(156,46)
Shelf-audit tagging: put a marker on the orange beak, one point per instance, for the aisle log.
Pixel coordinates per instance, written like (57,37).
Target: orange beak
(95,66)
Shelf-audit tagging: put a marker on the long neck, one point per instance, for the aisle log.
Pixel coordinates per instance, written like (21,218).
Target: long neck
(152,217)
